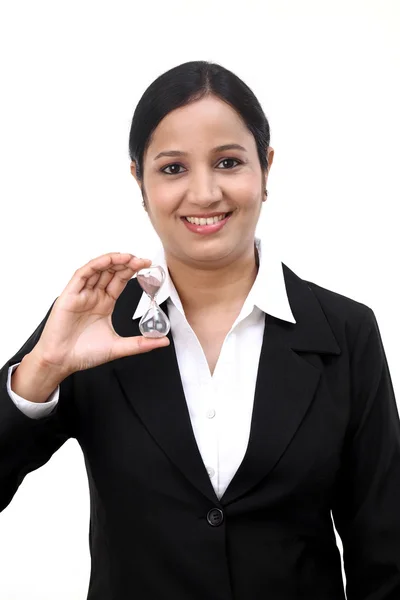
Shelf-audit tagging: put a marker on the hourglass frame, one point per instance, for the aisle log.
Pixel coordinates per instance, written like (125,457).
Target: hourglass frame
(154,323)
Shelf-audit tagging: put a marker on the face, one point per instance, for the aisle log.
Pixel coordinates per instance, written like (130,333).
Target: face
(196,180)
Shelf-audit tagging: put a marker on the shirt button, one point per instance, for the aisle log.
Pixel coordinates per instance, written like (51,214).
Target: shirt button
(210,471)
(210,413)
(215,516)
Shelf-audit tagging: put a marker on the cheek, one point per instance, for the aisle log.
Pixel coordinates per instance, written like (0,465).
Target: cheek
(247,191)
(250,200)
(161,210)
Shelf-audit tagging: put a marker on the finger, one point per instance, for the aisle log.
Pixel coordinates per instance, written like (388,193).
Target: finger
(105,279)
(102,278)
(129,346)
(93,279)
(118,282)
(94,268)
(102,263)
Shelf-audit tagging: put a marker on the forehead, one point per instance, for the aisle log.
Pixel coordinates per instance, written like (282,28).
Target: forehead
(206,121)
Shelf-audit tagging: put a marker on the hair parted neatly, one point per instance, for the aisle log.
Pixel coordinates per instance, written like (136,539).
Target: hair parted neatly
(187,83)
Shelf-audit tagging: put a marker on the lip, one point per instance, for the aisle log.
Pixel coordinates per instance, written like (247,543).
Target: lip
(206,229)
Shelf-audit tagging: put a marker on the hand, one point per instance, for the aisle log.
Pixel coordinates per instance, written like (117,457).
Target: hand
(78,333)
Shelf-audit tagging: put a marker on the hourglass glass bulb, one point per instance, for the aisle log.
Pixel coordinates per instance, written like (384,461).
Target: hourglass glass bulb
(151,279)
(154,322)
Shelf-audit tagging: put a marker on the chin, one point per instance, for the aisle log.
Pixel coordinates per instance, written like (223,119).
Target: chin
(209,253)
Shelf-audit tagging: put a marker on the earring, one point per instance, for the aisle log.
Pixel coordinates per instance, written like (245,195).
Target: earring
(266,194)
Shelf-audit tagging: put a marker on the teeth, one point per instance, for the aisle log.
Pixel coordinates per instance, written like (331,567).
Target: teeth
(203,221)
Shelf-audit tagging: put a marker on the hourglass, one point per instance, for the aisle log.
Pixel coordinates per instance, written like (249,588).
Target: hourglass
(154,323)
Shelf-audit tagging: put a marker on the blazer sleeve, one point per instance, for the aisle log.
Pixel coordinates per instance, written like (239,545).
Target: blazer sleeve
(366,507)
(25,443)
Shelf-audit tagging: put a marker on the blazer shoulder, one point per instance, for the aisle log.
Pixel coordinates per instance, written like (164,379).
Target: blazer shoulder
(344,314)
(339,302)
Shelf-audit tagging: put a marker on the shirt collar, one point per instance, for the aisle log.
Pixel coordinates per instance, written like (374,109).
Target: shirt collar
(268,292)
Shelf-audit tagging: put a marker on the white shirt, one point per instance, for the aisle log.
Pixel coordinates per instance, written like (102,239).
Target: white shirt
(220,405)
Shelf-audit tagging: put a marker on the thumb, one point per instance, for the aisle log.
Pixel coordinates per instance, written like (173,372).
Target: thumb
(127,346)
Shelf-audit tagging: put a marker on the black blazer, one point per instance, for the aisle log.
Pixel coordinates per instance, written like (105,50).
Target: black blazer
(325,436)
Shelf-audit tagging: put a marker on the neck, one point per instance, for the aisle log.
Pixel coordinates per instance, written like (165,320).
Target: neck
(223,288)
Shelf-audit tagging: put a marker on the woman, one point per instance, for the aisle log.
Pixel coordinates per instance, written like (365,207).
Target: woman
(217,460)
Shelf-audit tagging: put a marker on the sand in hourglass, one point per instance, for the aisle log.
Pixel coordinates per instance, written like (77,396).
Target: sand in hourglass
(150,285)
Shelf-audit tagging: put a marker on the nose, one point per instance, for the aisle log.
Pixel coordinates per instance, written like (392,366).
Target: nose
(203,191)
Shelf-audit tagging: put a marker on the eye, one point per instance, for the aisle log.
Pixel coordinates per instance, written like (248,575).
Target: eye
(228,159)
(168,167)
(224,160)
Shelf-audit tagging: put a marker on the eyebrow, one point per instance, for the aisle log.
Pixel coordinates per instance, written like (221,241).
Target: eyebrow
(217,149)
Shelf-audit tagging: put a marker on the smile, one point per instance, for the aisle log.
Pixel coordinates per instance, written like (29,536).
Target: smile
(206,221)
(206,226)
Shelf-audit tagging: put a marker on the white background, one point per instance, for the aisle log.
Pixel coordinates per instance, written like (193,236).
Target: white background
(327,76)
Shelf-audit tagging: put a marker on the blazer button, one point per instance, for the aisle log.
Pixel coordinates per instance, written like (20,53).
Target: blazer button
(215,516)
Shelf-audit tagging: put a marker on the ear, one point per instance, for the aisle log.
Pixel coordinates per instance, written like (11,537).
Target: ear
(270,158)
(133,171)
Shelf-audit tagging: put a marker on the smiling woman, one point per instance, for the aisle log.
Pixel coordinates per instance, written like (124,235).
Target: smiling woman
(215,456)
(206,205)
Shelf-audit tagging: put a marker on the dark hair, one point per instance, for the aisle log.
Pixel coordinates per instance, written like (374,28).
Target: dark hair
(187,83)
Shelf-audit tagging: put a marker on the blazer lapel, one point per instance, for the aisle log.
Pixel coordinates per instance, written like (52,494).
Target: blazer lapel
(153,385)
(286,384)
